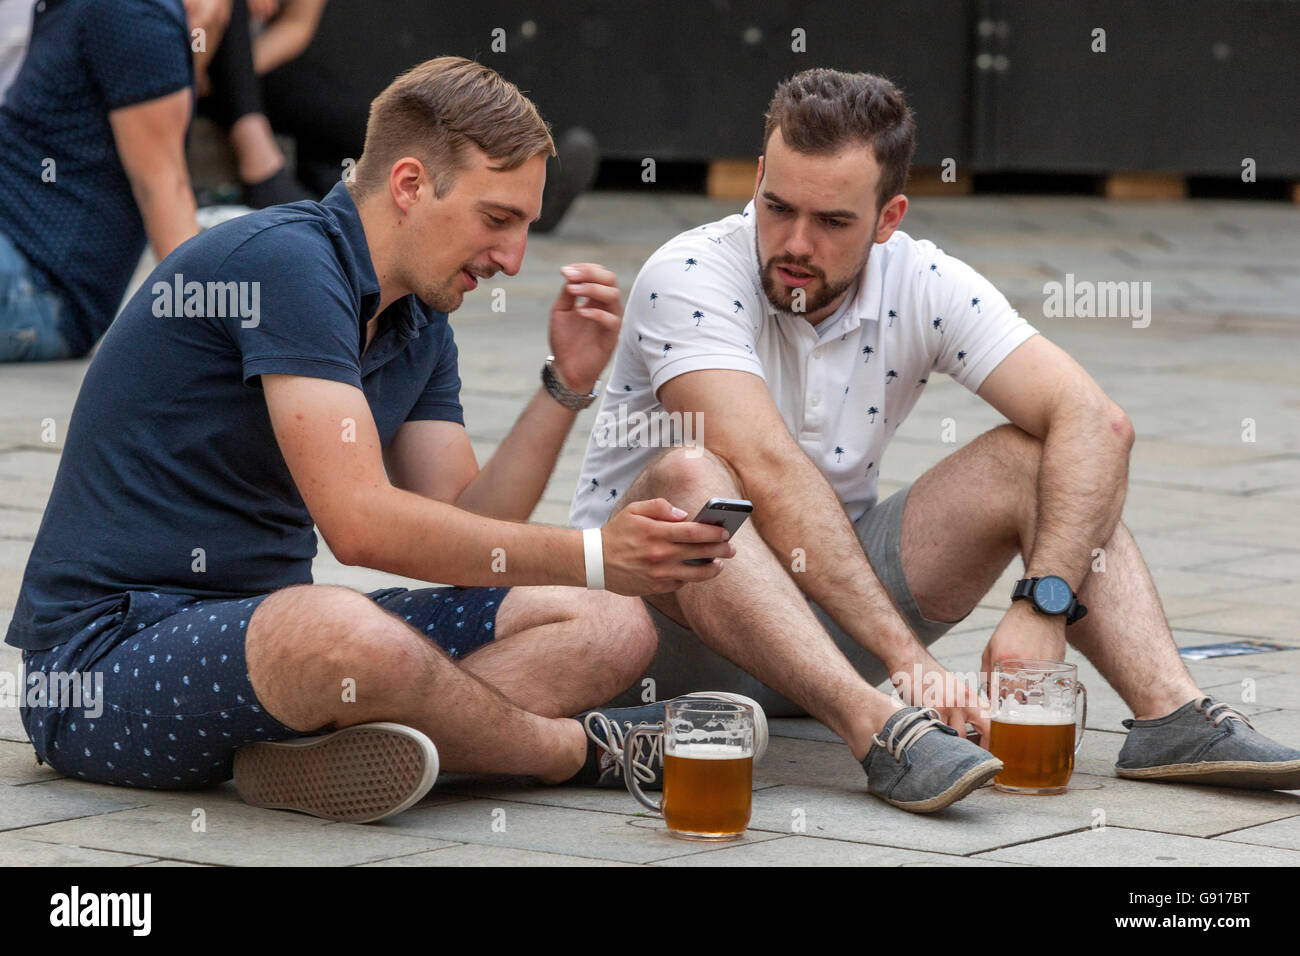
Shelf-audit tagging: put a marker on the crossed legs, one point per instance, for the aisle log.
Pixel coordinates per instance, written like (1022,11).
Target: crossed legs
(964,521)
(502,710)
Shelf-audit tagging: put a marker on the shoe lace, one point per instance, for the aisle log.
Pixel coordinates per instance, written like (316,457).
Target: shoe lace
(1218,712)
(612,742)
(908,730)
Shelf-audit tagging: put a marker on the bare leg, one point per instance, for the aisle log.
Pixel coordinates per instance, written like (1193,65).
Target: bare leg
(304,642)
(754,614)
(560,651)
(969,515)
(256,151)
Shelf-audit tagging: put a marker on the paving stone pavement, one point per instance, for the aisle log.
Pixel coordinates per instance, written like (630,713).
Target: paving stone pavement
(1212,501)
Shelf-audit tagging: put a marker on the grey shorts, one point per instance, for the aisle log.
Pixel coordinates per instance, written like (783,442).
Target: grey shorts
(684,664)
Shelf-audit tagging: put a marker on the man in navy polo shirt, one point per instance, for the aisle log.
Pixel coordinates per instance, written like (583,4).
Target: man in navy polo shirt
(296,366)
(93,162)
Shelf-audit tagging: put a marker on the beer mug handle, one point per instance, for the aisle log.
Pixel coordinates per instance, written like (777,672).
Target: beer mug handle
(1081,691)
(629,775)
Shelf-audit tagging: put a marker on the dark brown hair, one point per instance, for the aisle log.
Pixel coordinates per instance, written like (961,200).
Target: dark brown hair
(435,110)
(822,111)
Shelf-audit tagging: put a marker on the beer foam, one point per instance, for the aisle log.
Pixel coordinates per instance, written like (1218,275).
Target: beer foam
(702,751)
(1037,714)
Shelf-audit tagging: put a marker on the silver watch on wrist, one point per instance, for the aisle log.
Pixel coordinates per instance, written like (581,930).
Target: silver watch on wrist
(565,396)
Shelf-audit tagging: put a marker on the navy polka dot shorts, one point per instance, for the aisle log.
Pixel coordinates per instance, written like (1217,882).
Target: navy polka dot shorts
(164,698)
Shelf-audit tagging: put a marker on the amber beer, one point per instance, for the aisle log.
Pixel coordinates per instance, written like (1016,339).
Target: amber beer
(1036,748)
(707,790)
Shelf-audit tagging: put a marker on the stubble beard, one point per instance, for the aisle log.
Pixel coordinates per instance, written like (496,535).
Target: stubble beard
(781,296)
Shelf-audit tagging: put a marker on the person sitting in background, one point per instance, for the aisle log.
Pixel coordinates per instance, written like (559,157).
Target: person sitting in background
(231,88)
(93,163)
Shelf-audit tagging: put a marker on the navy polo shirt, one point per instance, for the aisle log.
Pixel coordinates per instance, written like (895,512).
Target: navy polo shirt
(65,200)
(171,479)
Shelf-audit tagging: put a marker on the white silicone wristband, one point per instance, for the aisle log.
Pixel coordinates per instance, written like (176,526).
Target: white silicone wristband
(593,551)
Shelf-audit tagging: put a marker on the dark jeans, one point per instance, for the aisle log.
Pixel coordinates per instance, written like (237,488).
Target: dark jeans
(31,315)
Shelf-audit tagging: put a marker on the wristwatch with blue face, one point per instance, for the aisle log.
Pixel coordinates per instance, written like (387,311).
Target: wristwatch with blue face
(1049,595)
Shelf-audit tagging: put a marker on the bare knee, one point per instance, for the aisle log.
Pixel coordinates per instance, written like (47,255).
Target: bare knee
(624,641)
(1011,447)
(692,472)
(312,649)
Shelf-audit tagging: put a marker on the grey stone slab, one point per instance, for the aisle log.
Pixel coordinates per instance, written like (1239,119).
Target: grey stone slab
(1115,846)
(1217,671)
(477,854)
(1283,563)
(1163,551)
(1145,805)
(41,803)
(547,829)
(802,728)
(18,765)
(11,724)
(520,790)
(1280,691)
(170,863)
(235,834)
(1284,834)
(811,762)
(857,817)
(808,851)
(15,850)
(1271,621)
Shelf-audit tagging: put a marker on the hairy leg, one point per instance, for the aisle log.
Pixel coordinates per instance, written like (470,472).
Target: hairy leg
(560,651)
(754,614)
(303,643)
(969,515)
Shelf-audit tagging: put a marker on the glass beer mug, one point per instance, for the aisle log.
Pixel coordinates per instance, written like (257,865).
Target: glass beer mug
(708,774)
(1032,731)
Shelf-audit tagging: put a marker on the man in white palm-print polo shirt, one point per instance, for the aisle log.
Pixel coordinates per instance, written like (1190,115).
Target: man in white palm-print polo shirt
(789,342)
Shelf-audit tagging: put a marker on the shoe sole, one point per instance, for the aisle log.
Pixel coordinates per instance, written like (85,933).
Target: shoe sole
(1250,774)
(971,780)
(356,775)
(760,718)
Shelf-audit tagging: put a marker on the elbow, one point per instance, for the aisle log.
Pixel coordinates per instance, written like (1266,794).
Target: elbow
(348,548)
(1121,426)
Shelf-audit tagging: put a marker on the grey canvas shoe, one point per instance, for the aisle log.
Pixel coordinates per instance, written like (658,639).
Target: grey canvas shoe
(1206,741)
(609,727)
(914,768)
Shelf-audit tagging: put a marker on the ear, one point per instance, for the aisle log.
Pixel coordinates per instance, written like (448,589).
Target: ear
(406,178)
(890,216)
(758,178)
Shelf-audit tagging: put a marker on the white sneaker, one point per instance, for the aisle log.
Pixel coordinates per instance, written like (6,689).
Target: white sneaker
(355,775)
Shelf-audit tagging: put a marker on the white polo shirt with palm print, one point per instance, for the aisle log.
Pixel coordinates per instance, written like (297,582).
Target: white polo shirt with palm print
(842,388)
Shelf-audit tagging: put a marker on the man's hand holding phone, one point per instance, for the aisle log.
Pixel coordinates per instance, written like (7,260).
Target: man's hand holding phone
(647,545)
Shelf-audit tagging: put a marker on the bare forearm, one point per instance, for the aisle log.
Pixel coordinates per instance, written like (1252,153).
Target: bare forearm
(287,36)
(798,515)
(1082,479)
(407,534)
(511,483)
(166,204)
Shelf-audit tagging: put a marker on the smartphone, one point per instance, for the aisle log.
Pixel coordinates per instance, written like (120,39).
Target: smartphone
(729,513)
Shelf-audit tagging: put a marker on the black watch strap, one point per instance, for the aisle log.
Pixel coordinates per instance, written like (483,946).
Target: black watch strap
(1024,590)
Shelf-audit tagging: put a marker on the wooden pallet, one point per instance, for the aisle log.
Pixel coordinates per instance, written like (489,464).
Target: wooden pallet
(1144,186)
(732,178)
(928,181)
